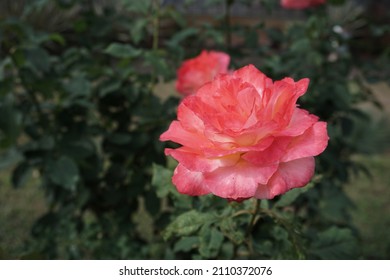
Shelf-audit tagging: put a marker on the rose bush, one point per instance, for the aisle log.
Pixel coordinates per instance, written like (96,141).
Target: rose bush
(195,72)
(300,4)
(243,136)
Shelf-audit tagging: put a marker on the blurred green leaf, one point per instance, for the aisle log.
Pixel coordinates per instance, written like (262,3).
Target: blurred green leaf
(78,86)
(187,223)
(122,50)
(109,86)
(183,35)
(162,180)
(18,57)
(186,244)
(46,142)
(157,60)
(335,244)
(9,157)
(142,7)
(227,251)
(301,45)
(137,29)
(230,229)
(38,58)
(210,241)
(334,204)
(289,197)
(77,147)
(64,172)
(58,38)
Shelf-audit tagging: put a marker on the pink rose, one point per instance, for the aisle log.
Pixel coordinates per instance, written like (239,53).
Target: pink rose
(300,4)
(243,136)
(197,71)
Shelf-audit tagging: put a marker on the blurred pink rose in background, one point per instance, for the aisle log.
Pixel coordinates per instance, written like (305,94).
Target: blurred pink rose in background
(195,72)
(300,4)
(243,136)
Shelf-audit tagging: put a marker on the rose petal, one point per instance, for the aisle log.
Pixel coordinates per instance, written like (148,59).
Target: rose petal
(311,143)
(199,163)
(189,182)
(188,119)
(271,155)
(238,181)
(178,134)
(255,77)
(292,174)
(282,100)
(301,120)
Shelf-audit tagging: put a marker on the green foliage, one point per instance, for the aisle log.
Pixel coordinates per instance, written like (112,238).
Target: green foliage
(187,223)
(64,172)
(122,51)
(335,244)
(79,107)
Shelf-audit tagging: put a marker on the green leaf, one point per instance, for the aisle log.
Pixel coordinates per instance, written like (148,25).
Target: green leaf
(137,30)
(335,243)
(78,86)
(334,203)
(187,223)
(289,197)
(182,35)
(212,34)
(77,147)
(186,244)
(57,37)
(137,6)
(64,172)
(226,251)
(162,180)
(46,142)
(122,50)
(157,60)
(176,15)
(34,6)
(18,57)
(38,58)
(301,45)
(109,86)
(210,241)
(9,158)
(229,228)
